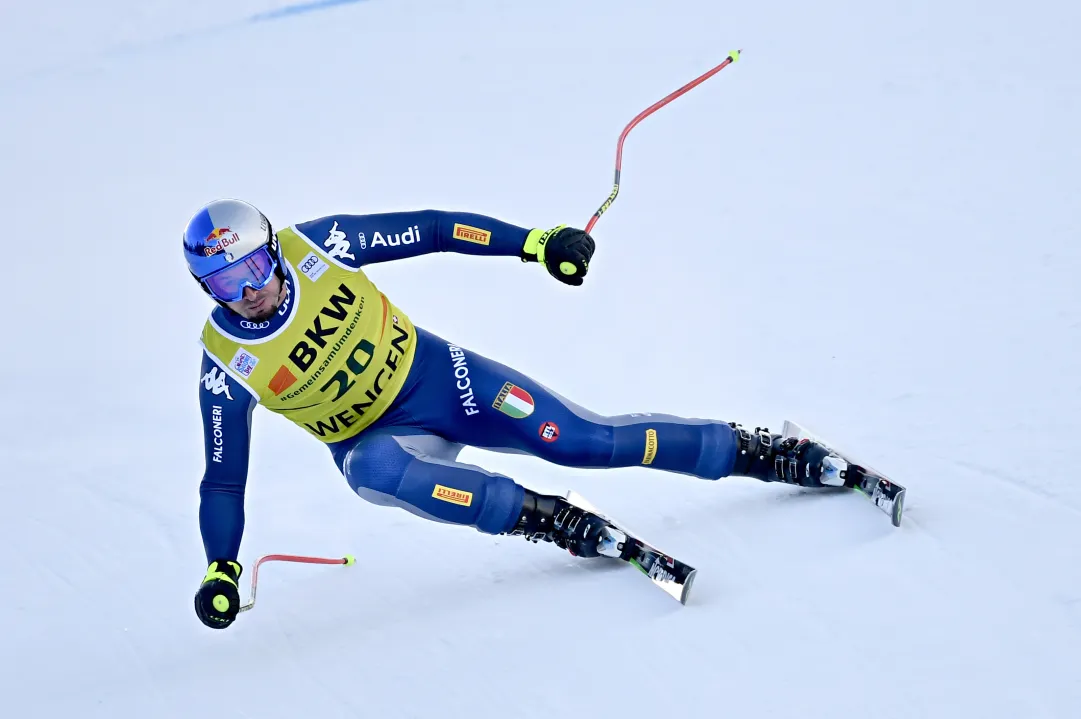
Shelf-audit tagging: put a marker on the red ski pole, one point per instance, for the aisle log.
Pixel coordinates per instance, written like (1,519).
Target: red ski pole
(346,560)
(732,57)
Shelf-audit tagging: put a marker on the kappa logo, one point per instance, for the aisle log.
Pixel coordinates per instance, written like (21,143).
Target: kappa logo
(338,244)
(215,382)
(454,496)
(471,234)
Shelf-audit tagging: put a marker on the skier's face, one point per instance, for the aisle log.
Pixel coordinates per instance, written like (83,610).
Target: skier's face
(260,305)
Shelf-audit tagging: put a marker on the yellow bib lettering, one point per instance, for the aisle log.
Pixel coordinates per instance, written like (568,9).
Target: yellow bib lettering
(340,358)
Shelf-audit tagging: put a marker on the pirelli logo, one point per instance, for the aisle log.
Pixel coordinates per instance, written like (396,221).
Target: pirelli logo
(651,446)
(471,234)
(454,496)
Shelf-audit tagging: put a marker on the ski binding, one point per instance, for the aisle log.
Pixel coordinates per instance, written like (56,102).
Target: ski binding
(671,575)
(886,494)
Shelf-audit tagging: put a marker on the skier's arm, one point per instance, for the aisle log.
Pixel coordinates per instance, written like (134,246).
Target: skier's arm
(226,408)
(396,235)
(358,240)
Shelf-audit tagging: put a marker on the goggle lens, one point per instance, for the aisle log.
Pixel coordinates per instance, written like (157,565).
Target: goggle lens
(255,271)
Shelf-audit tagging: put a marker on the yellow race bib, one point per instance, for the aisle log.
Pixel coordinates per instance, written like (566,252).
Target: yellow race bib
(334,357)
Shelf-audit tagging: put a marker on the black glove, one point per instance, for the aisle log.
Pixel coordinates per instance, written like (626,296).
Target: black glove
(564,251)
(218,599)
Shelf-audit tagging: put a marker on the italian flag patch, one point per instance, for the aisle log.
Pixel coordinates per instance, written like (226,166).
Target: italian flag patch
(514,401)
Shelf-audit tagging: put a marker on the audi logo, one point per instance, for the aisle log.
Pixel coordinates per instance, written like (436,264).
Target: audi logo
(312,262)
(254,325)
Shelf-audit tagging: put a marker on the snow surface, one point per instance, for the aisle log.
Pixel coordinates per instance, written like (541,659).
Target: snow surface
(869,225)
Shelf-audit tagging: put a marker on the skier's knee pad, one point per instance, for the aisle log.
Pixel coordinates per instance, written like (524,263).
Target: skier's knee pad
(375,466)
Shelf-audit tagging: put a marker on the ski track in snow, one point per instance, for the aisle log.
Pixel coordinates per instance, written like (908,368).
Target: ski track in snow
(797,239)
(1018,483)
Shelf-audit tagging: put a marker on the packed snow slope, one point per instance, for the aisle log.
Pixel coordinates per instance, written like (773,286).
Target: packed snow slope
(869,224)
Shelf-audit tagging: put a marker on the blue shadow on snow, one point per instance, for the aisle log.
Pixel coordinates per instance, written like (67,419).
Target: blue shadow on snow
(300,9)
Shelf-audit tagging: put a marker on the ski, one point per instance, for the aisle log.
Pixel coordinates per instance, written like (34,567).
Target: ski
(665,571)
(886,494)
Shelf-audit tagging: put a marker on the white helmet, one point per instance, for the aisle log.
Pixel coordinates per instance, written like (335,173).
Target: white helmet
(230,245)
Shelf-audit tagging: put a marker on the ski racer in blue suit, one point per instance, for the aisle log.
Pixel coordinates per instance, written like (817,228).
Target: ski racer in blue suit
(300,329)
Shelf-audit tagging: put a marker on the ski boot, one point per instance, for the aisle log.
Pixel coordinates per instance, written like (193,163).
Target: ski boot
(555,520)
(775,458)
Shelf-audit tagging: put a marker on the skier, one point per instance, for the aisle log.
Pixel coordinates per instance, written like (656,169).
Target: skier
(301,330)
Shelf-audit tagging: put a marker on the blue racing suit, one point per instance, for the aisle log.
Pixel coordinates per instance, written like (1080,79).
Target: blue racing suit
(412,400)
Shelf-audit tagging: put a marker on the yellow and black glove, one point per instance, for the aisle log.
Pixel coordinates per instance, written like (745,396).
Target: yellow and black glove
(218,599)
(564,251)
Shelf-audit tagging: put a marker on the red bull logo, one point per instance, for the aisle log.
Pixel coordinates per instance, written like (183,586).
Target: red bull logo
(218,240)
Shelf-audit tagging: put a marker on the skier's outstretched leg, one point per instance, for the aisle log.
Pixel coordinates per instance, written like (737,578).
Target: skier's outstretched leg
(453,398)
(418,472)
(470,399)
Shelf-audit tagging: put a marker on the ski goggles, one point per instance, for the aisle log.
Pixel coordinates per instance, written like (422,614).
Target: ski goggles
(255,271)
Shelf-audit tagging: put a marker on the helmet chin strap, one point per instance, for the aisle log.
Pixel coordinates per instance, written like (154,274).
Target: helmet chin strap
(276,250)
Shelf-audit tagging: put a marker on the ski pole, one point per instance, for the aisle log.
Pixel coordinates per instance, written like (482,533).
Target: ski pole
(347,560)
(732,57)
